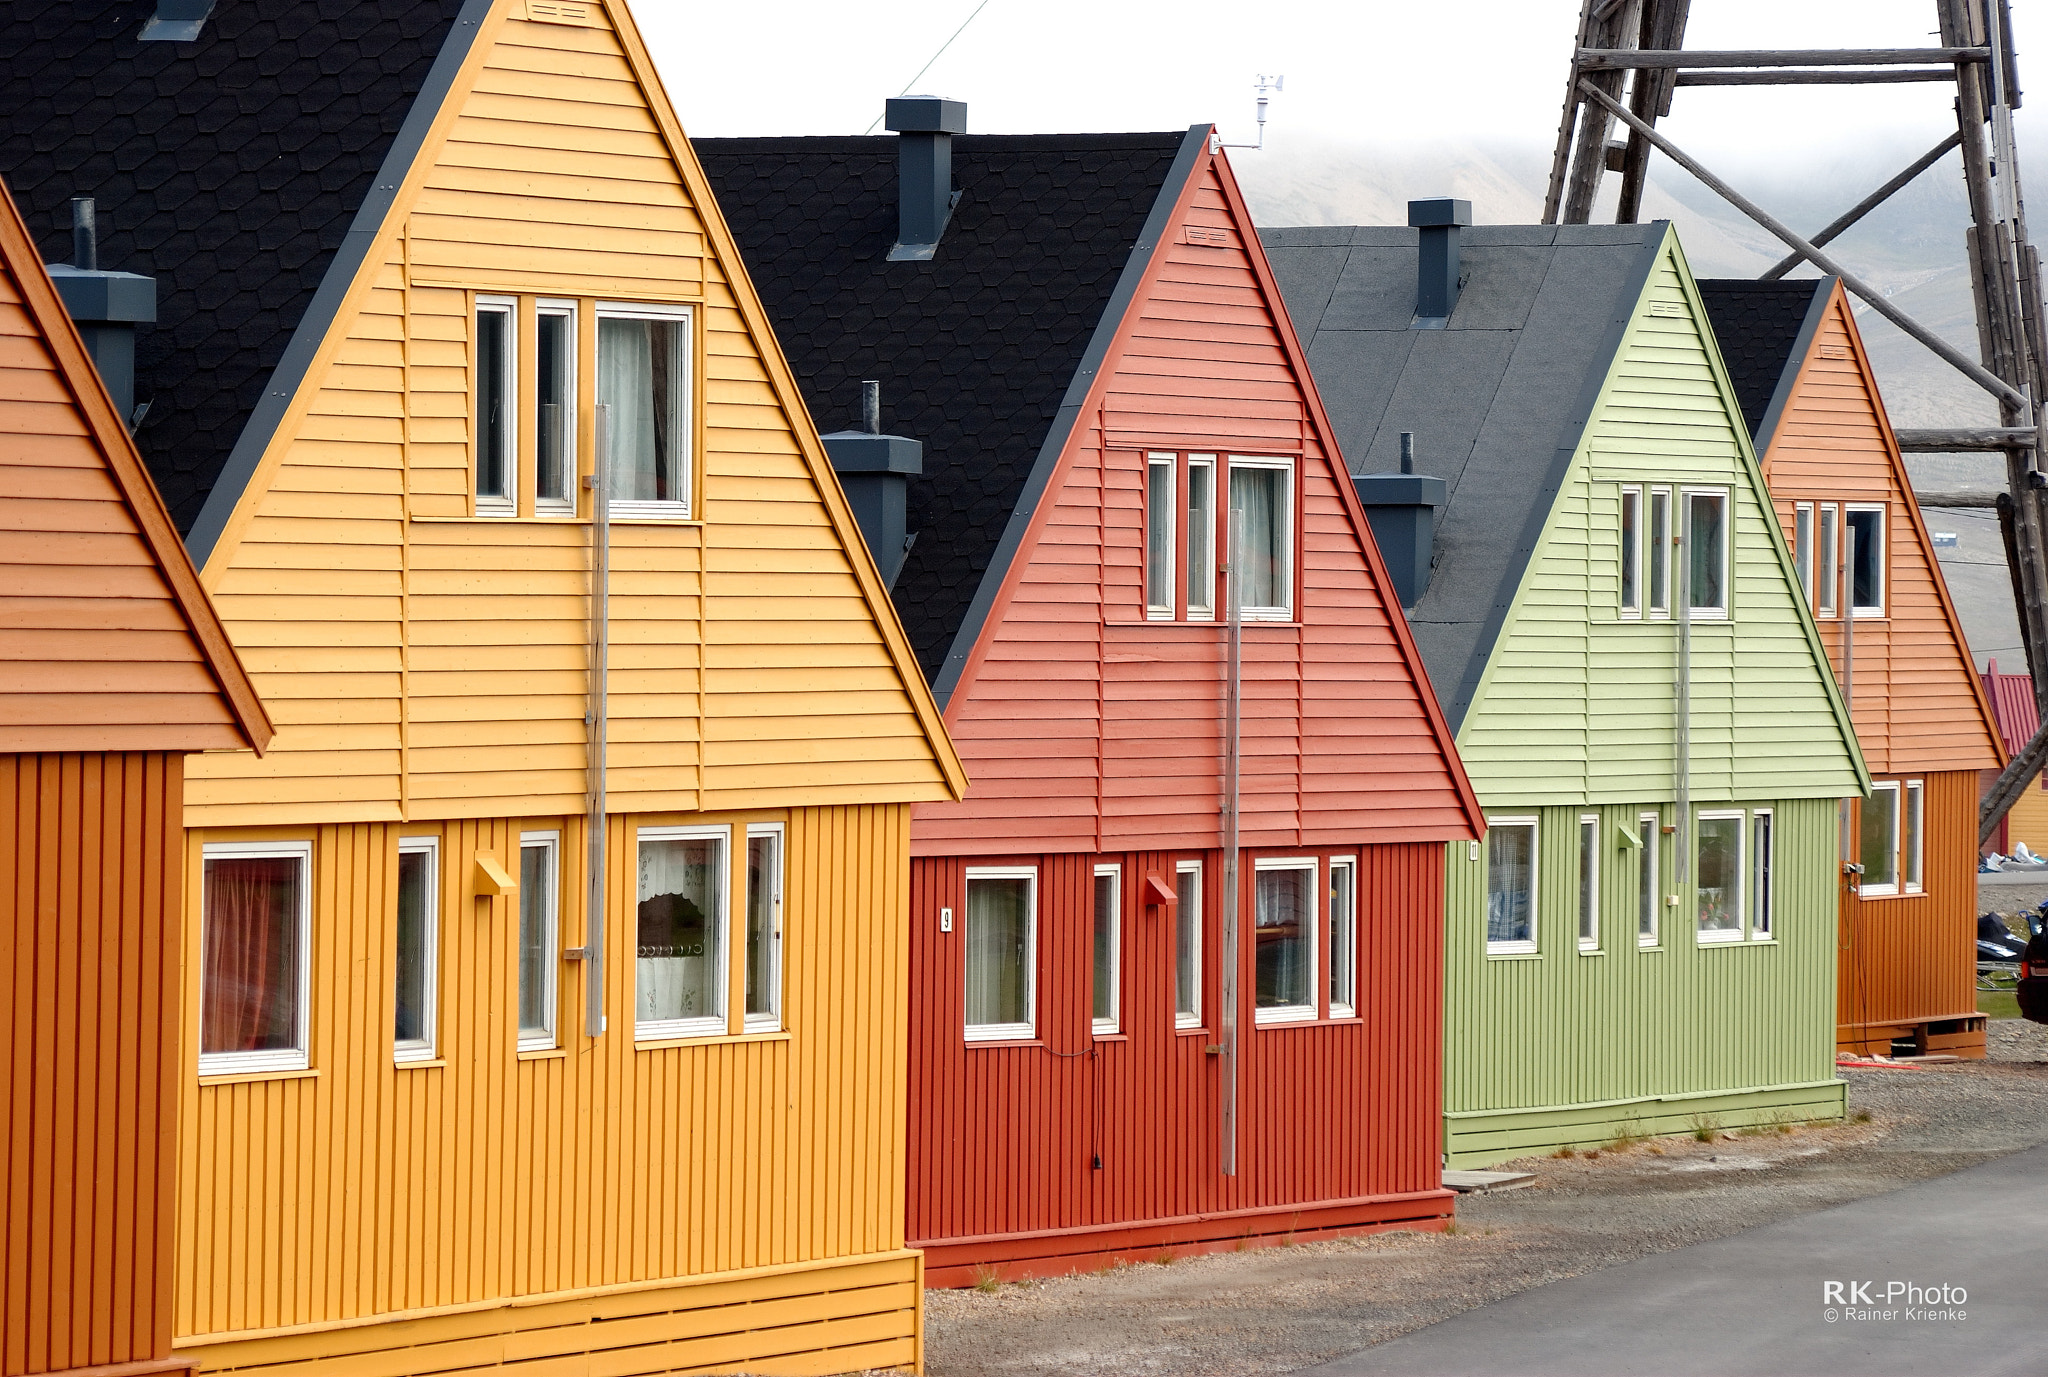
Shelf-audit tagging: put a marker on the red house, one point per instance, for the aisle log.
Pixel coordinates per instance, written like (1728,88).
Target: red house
(1127,1039)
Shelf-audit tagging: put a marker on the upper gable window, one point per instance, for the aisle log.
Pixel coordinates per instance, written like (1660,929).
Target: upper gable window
(1706,551)
(497,353)
(554,408)
(643,376)
(1184,530)
(1863,527)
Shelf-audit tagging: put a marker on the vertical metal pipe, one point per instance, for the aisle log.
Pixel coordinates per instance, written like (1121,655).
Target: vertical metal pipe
(600,657)
(1845,605)
(1232,756)
(85,234)
(1681,850)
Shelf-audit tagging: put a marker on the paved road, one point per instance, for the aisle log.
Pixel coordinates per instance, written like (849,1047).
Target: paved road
(1757,1303)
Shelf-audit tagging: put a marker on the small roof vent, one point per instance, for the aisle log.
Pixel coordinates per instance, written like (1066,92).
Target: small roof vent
(1440,220)
(925,126)
(177,21)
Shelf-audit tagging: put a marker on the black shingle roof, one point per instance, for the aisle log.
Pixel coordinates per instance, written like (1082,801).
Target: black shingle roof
(1497,401)
(976,349)
(1764,329)
(229,168)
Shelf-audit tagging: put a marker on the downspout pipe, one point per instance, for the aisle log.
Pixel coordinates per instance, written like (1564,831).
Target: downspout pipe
(1233,754)
(594,826)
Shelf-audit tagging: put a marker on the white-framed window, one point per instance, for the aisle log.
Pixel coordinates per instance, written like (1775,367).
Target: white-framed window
(1706,551)
(496,431)
(764,928)
(1914,845)
(1660,552)
(643,374)
(1827,576)
(1284,938)
(1589,882)
(1632,551)
(1720,874)
(1863,527)
(680,975)
(1201,538)
(540,926)
(1802,547)
(1187,945)
(1343,936)
(1763,864)
(256,957)
(1879,849)
(1162,512)
(1263,489)
(413,1033)
(1510,885)
(1649,895)
(1002,953)
(554,408)
(1106,967)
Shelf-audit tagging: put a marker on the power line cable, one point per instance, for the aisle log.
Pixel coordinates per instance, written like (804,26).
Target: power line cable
(935,57)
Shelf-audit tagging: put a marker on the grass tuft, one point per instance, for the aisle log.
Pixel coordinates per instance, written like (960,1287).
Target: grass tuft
(986,1279)
(1564,1152)
(1705,1126)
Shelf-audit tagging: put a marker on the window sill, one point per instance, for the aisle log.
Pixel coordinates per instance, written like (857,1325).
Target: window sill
(553,518)
(1592,951)
(302,1073)
(1891,894)
(1191,1030)
(973,1043)
(543,1053)
(708,1040)
(1650,946)
(1112,1037)
(1720,939)
(1201,623)
(1513,954)
(419,1063)
(1282,1018)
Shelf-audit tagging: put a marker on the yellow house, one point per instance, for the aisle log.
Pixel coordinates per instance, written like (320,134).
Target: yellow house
(545,981)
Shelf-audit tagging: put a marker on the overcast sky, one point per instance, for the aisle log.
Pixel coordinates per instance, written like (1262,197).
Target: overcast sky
(1373,71)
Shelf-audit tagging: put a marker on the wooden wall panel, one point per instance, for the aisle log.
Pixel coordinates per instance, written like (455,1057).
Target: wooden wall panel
(89,900)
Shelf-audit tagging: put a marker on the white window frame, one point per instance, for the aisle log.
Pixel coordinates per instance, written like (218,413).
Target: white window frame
(1803,531)
(1517,947)
(1589,882)
(551,945)
(1719,936)
(295,1058)
(1114,1023)
(1157,511)
(771,1021)
(1913,834)
(424,1049)
(1828,573)
(1283,611)
(1659,567)
(708,1025)
(1652,857)
(1189,1018)
(1762,917)
(1883,891)
(1727,500)
(1867,610)
(685,507)
(550,306)
(1631,549)
(1349,866)
(1291,1013)
(1004,1032)
(508,505)
(1205,610)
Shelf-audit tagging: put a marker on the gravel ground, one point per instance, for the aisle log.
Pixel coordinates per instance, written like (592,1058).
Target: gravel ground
(1274,1310)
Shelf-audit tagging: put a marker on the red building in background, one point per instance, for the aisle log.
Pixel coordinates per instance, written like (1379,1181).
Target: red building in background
(1121,1044)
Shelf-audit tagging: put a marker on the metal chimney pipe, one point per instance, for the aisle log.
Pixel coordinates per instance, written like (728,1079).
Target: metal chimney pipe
(924,163)
(1440,219)
(1407,451)
(85,234)
(871,407)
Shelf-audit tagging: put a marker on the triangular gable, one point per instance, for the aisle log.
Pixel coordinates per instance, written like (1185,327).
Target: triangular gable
(1824,434)
(113,645)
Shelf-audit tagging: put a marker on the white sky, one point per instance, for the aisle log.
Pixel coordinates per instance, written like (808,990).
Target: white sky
(1372,71)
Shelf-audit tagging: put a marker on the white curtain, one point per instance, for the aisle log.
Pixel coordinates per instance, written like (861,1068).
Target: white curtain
(1260,493)
(1283,917)
(639,375)
(998,950)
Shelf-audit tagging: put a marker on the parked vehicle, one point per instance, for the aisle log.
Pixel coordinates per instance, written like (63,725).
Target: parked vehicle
(2032,988)
(1999,951)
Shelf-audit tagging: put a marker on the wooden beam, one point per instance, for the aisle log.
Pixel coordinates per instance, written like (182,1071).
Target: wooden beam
(1795,77)
(1614,59)
(1976,501)
(1663,27)
(2011,783)
(1869,203)
(1560,158)
(1877,301)
(1955,441)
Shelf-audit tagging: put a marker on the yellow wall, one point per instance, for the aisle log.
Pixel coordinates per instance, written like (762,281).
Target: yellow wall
(494,1177)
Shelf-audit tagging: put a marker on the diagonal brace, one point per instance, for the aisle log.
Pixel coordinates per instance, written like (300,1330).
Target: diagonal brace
(1869,203)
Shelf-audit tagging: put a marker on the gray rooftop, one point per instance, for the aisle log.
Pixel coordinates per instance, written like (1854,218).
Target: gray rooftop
(1497,400)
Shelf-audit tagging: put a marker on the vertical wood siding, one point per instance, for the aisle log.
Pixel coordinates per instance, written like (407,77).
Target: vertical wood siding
(370,1189)
(89,893)
(1004,1138)
(1084,728)
(423,663)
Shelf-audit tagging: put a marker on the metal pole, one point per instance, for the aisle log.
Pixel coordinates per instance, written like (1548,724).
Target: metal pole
(1233,719)
(1682,747)
(600,657)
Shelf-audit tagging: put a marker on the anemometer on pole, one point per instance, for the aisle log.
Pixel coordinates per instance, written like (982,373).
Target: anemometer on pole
(1266,87)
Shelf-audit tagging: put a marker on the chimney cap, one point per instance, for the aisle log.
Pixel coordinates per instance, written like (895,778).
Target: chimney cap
(858,451)
(1438,211)
(925,115)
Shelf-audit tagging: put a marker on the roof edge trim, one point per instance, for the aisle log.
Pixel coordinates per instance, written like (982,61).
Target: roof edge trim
(1788,376)
(285,381)
(1194,147)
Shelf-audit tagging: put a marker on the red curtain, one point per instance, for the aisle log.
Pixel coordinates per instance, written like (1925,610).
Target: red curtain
(249,989)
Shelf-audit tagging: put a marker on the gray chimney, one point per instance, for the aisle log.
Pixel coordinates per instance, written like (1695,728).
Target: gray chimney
(105,306)
(875,470)
(176,21)
(1402,508)
(1441,221)
(924,162)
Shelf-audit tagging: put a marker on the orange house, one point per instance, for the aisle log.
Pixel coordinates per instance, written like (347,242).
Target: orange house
(113,669)
(1907,964)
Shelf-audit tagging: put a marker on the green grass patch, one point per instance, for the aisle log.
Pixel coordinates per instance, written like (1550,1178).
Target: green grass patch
(1998,1004)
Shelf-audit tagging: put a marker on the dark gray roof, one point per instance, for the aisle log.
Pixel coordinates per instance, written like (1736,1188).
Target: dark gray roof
(231,169)
(1765,330)
(1497,401)
(983,353)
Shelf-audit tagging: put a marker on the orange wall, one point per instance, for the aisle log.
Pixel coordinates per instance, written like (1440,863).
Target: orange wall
(92,883)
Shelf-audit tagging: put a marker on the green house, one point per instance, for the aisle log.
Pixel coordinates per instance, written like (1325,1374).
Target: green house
(1645,941)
